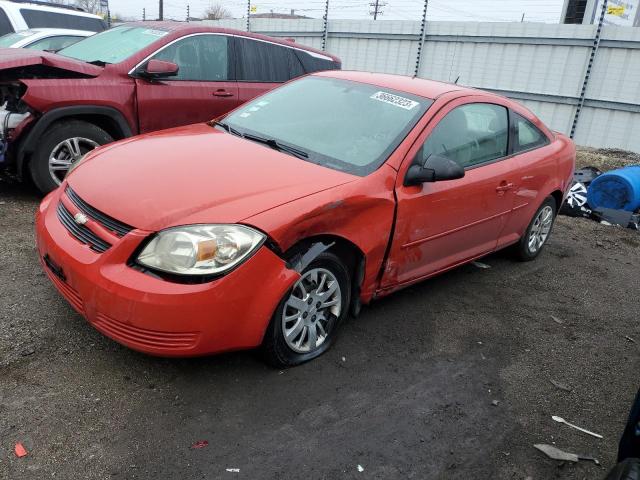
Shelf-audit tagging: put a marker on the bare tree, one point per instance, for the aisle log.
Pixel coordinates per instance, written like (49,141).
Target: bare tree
(91,6)
(217,12)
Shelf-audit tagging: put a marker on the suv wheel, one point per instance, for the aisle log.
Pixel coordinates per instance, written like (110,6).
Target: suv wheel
(62,145)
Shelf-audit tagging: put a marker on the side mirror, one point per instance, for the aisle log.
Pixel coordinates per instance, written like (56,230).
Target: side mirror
(157,69)
(435,169)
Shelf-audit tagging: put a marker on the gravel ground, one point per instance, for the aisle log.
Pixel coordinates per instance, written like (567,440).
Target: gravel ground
(451,378)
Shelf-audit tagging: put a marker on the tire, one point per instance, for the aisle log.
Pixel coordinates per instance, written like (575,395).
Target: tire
(526,250)
(282,350)
(81,136)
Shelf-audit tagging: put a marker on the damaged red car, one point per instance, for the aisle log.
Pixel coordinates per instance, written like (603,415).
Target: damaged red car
(131,79)
(270,225)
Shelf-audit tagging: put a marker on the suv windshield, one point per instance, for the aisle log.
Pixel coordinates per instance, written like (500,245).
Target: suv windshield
(113,46)
(339,124)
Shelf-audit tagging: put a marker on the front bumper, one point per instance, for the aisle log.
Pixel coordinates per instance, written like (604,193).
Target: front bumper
(153,315)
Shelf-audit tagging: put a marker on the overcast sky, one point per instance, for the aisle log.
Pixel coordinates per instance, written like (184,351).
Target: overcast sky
(457,10)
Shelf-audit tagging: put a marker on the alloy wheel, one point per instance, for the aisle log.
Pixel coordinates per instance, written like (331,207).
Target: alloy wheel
(540,229)
(308,315)
(67,153)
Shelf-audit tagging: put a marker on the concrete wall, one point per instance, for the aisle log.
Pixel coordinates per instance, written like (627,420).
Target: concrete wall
(541,65)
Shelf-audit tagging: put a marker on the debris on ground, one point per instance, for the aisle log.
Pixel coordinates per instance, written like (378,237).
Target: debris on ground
(20,451)
(630,339)
(200,444)
(360,468)
(556,319)
(557,454)
(611,197)
(233,470)
(584,430)
(480,265)
(561,386)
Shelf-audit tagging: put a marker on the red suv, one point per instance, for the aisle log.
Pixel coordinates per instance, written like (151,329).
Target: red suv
(132,79)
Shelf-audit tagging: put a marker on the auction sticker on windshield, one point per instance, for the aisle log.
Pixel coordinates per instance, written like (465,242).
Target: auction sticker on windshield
(396,100)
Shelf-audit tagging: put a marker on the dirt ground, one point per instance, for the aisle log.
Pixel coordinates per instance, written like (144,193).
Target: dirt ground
(448,379)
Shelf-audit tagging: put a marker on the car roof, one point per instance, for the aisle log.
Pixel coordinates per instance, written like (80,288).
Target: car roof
(186,28)
(417,86)
(15,6)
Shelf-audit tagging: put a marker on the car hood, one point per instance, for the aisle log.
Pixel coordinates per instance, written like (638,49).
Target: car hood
(23,57)
(194,174)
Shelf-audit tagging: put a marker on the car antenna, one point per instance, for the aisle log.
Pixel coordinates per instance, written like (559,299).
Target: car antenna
(456,82)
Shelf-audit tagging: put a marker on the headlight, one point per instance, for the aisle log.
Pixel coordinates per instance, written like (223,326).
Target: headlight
(200,249)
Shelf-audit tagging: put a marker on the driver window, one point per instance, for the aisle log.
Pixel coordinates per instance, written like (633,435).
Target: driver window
(202,58)
(470,135)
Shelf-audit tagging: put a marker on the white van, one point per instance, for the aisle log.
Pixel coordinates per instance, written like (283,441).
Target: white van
(16,16)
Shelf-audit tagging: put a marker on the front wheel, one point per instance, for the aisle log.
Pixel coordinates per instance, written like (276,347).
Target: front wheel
(306,319)
(62,145)
(538,231)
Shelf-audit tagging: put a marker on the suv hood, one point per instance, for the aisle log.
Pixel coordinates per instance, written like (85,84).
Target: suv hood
(46,63)
(194,174)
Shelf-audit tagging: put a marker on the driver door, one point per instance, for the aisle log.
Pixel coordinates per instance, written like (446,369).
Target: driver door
(199,92)
(442,224)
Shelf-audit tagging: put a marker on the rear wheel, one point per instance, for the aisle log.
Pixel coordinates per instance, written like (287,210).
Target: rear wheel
(538,231)
(305,322)
(62,145)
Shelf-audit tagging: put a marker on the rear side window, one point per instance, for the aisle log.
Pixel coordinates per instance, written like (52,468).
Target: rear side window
(5,24)
(527,135)
(202,58)
(315,63)
(470,135)
(44,19)
(265,62)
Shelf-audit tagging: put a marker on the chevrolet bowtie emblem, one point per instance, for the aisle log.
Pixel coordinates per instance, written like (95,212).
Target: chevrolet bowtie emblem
(80,218)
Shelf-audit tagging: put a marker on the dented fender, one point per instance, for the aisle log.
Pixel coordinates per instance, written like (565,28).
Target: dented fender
(321,220)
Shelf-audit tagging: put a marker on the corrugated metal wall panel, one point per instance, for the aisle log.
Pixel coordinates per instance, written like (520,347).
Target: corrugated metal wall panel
(543,61)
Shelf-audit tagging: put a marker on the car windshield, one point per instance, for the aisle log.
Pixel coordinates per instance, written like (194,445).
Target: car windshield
(340,124)
(113,46)
(10,38)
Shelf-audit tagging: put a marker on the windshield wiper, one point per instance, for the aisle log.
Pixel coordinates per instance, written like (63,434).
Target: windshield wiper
(227,128)
(276,145)
(99,63)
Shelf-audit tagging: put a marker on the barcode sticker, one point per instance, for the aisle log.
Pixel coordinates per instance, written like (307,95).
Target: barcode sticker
(396,100)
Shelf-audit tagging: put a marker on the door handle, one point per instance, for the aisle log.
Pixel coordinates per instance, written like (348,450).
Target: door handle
(222,93)
(504,187)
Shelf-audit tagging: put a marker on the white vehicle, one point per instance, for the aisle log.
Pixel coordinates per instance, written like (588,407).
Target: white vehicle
(50,39)
(16,16)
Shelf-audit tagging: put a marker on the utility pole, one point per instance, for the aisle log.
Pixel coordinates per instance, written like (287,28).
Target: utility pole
(144,14)
(160,9)
(188,16)
(325,28)
(423,33)
(377,8)
(109,18)
(585,82)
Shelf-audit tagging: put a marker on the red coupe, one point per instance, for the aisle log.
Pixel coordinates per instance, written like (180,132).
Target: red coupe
(271,224)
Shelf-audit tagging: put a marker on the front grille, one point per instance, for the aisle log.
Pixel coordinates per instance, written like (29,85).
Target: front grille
(111,224)
(81,232)
(143,338)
